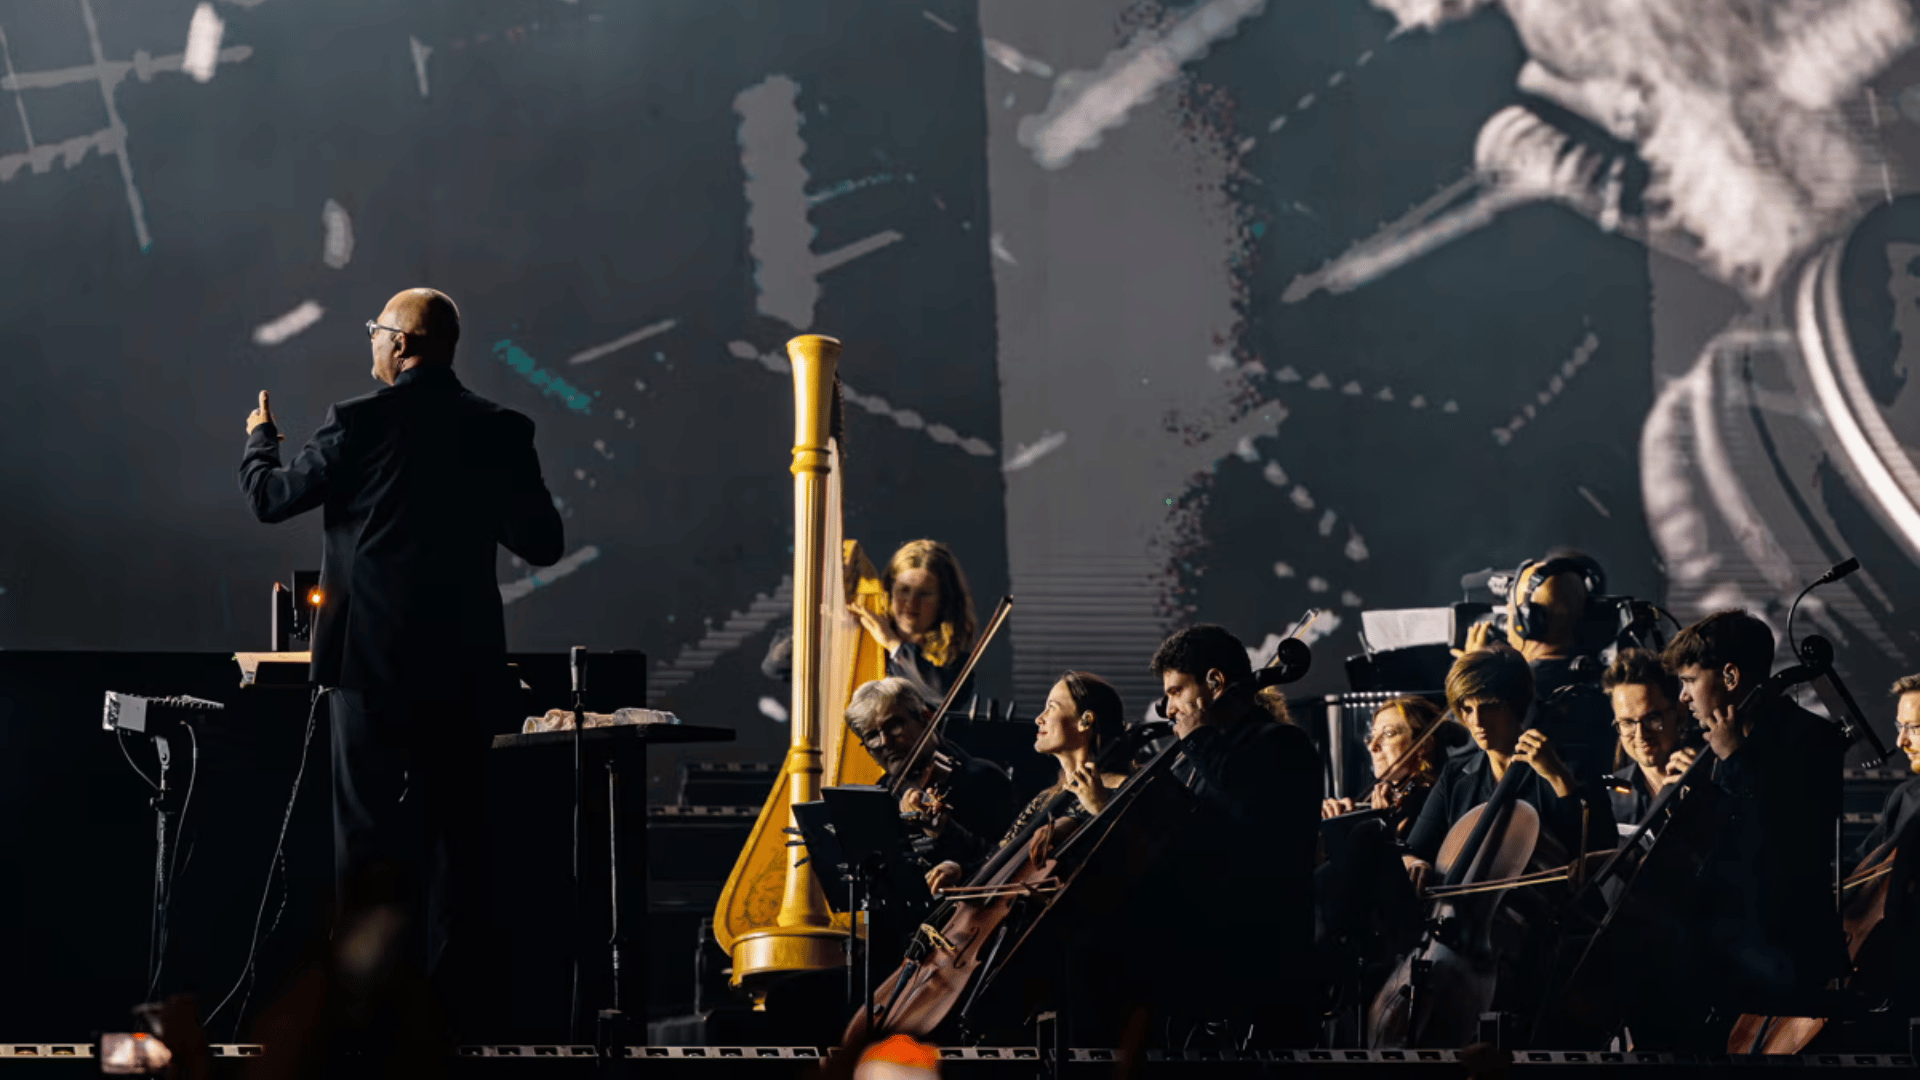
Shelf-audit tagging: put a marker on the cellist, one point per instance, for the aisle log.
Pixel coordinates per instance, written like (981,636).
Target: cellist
(1490,690)
(1768,930)
(1082,717)
(1902,808)
(1235,907)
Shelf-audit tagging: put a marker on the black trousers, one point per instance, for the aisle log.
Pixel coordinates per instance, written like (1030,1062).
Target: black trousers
(407,815)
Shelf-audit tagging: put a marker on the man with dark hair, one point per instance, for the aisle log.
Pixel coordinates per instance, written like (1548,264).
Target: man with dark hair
(1646,714)
(1769,933)
(421,483)
(1490,690)
(1235,905)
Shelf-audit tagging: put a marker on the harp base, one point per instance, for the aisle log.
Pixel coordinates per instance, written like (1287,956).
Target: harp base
(785,950)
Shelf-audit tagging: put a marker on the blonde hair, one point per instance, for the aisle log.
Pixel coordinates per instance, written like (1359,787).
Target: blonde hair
(952,637)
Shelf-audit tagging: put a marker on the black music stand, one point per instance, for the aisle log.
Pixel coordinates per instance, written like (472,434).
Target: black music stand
(861,850)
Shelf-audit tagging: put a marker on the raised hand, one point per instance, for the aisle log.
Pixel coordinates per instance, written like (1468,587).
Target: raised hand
(878,627)
(1537,750)
(261,415)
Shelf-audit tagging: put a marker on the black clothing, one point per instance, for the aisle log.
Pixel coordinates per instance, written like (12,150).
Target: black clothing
(407,773)
(1900,813)
(420,483)
(1233,910)
(1575,713)
(906,662)
(1630,807)
(1769,921)
(979,806)
(1467,781)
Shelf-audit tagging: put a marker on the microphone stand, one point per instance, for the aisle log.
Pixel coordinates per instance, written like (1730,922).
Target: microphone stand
(578,663)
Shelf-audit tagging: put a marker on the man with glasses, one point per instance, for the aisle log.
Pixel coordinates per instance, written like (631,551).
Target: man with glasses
(1902,810)
(889,716)
(1646,714)
(420,482)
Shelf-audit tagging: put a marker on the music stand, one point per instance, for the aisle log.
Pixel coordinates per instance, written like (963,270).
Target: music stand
(860,849)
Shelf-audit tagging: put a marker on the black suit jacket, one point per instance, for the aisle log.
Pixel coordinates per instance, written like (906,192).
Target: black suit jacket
(419,482)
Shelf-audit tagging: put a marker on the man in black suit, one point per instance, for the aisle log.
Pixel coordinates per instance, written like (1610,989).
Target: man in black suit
(420,481)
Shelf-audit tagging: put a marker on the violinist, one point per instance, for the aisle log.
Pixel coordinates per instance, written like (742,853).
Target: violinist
(889,717)
(1234,909)
(1405,772)
(930,627)
(1490,691)
(1902,809)
(1646,713)
(1082,717)
(1768,930)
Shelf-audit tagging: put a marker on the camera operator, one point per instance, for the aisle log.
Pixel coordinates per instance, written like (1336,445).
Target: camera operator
(1546,607)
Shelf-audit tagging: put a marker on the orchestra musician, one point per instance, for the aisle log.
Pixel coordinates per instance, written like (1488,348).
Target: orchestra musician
(1768,931)
(1397,726)
(1082,717)
(929,629)
(1490,690)
(1234,910)
(1902,808)
(1646,713)
(889,716)
(1546,605)
(420,482)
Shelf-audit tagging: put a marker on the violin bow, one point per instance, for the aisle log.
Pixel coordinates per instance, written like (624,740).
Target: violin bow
(940,715)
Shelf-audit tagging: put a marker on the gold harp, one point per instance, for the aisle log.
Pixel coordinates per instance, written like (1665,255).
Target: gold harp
(772,917)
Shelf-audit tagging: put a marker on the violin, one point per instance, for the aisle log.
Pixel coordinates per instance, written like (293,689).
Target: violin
(932,770)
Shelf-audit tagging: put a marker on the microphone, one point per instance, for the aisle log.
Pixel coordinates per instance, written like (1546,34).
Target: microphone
(578,656)
(1839,571)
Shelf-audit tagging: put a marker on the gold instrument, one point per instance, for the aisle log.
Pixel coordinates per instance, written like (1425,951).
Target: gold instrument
(772,917)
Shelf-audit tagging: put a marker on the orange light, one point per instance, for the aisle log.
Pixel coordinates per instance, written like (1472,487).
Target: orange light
(315,597)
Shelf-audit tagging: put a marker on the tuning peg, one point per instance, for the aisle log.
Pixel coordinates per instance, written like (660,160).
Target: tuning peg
(973,709)
(993,711)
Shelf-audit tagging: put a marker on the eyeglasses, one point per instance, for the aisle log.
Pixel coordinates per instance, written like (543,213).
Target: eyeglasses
(373,326)
(1911,731)
(1651,723)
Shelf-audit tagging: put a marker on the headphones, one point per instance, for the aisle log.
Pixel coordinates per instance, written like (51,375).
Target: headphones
(1534,622)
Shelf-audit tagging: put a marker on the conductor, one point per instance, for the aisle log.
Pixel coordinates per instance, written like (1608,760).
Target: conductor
(419,481)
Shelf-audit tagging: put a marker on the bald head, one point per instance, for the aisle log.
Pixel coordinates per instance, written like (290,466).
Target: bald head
(418,326)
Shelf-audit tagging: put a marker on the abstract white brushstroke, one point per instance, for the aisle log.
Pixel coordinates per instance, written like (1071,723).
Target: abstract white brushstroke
(642,334)
(20,102)
(1085,104)
(1024,456)
(998,244)
(202,53)
(337,249)
(286,326)
(524,587)
(773,710)
(940,22)
(773,154)
(872,403)
(421,51)
(1014,60)
(775,605)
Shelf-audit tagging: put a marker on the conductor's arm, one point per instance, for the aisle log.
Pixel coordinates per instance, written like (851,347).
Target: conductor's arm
(529,524)
(276,493)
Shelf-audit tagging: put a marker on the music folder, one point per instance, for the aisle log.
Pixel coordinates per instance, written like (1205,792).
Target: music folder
(860,824)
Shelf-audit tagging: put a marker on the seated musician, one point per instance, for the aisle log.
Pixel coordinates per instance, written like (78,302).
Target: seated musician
(930,626)
(889,716)
(1768,928)
(1490,691)
(1235,906)
(1397,726)
(1902,808)
(1082,717)
(1646,713)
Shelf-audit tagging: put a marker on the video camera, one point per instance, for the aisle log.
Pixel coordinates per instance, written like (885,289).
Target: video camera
(1607,623)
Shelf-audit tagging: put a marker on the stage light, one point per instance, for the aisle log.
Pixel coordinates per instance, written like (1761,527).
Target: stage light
(135,1054)
(316,597)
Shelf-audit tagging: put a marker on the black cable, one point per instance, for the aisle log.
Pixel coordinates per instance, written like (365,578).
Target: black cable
(124,752)
(173,862)
(313,715)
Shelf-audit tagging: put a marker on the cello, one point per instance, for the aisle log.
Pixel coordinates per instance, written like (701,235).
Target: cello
(1872,885)
(1436,995)
(1003,927)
